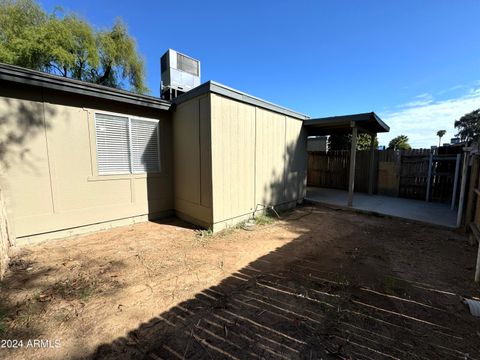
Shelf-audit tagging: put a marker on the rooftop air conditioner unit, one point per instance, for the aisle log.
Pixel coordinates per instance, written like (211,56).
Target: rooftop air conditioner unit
(180,73)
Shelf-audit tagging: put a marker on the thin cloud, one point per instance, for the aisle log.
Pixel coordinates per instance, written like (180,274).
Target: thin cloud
(453,88)
(420,100)
(421,118)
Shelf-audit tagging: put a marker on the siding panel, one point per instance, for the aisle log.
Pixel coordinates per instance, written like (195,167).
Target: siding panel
(233,155)
(296,160)
(205,153)
(192,159)
(270,158)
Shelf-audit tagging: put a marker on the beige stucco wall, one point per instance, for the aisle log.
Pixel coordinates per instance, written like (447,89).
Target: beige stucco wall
(259,159)
(192,159)
(49,168)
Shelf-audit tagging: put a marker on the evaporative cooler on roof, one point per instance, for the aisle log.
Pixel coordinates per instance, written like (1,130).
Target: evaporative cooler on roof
(180,73)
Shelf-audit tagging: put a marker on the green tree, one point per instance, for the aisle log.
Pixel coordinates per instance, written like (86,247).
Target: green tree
(20,39)
(364,140)
(343,141)
(399,143)
(66,45)
(440,134)
(469,126)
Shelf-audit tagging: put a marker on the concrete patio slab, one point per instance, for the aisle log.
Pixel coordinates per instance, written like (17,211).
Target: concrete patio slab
(416,210)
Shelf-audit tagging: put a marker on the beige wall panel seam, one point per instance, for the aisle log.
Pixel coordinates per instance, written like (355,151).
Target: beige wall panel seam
(255,165)
(199,118)
(92,142)
(286,167)
(132,191)
(51,168)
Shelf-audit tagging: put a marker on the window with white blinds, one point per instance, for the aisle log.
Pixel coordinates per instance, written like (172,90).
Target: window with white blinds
(144,145)
(126,144)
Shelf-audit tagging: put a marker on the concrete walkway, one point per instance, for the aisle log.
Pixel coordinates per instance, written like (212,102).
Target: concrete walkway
(427,212)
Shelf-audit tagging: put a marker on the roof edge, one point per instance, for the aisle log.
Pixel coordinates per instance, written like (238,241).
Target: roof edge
(381,122)
(357,118)
(223,90)
(30,77)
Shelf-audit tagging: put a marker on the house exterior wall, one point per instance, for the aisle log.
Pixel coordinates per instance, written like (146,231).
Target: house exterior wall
(233,158)
(50,169)
(192,159)
(259,159)
(221,160)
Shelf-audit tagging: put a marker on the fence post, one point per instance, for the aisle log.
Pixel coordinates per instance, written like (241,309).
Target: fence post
(430,162)
(372,164)
(471,195)
(462,188)
(353,155)
(455,182)
(477,267)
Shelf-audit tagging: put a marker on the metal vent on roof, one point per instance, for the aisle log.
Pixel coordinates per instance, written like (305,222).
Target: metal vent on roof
(187,64)
(180,73)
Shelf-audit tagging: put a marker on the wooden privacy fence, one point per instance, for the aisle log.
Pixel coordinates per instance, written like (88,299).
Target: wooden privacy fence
(330,169)
(413,173)
(409,174)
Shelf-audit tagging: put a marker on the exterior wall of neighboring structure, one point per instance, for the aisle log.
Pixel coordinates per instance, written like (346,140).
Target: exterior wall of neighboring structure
(49,166)
(192,158)
(233,158)
(258,160)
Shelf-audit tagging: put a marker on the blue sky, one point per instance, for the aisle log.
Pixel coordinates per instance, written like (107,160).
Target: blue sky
(415,63)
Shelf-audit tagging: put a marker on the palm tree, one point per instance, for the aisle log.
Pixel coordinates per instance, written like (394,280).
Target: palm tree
(399,143)
(440,134)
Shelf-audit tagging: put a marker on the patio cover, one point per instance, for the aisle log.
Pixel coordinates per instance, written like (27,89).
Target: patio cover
(368,123)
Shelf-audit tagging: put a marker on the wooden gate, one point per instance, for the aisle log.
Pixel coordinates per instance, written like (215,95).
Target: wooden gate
(328,169)
(414,174)
(331,169)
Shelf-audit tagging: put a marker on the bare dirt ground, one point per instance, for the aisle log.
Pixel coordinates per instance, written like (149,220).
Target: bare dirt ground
(317,284)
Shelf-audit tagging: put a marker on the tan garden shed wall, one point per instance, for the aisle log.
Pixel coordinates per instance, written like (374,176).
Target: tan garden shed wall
(233,158)
(192,159)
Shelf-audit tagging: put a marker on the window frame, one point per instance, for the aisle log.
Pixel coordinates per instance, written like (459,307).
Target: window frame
(130,150)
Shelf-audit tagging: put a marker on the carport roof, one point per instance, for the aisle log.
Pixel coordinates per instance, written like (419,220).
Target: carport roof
(366,122)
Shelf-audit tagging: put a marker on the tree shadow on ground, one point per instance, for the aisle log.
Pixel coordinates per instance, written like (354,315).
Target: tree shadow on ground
(311,299)
(60,290)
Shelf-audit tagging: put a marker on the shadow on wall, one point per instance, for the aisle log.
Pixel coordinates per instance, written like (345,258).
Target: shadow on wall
(159,174)
(290,184)
(288,304)
(21,122)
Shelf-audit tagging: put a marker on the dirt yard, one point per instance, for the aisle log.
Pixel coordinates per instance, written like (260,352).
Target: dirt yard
(317,284)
